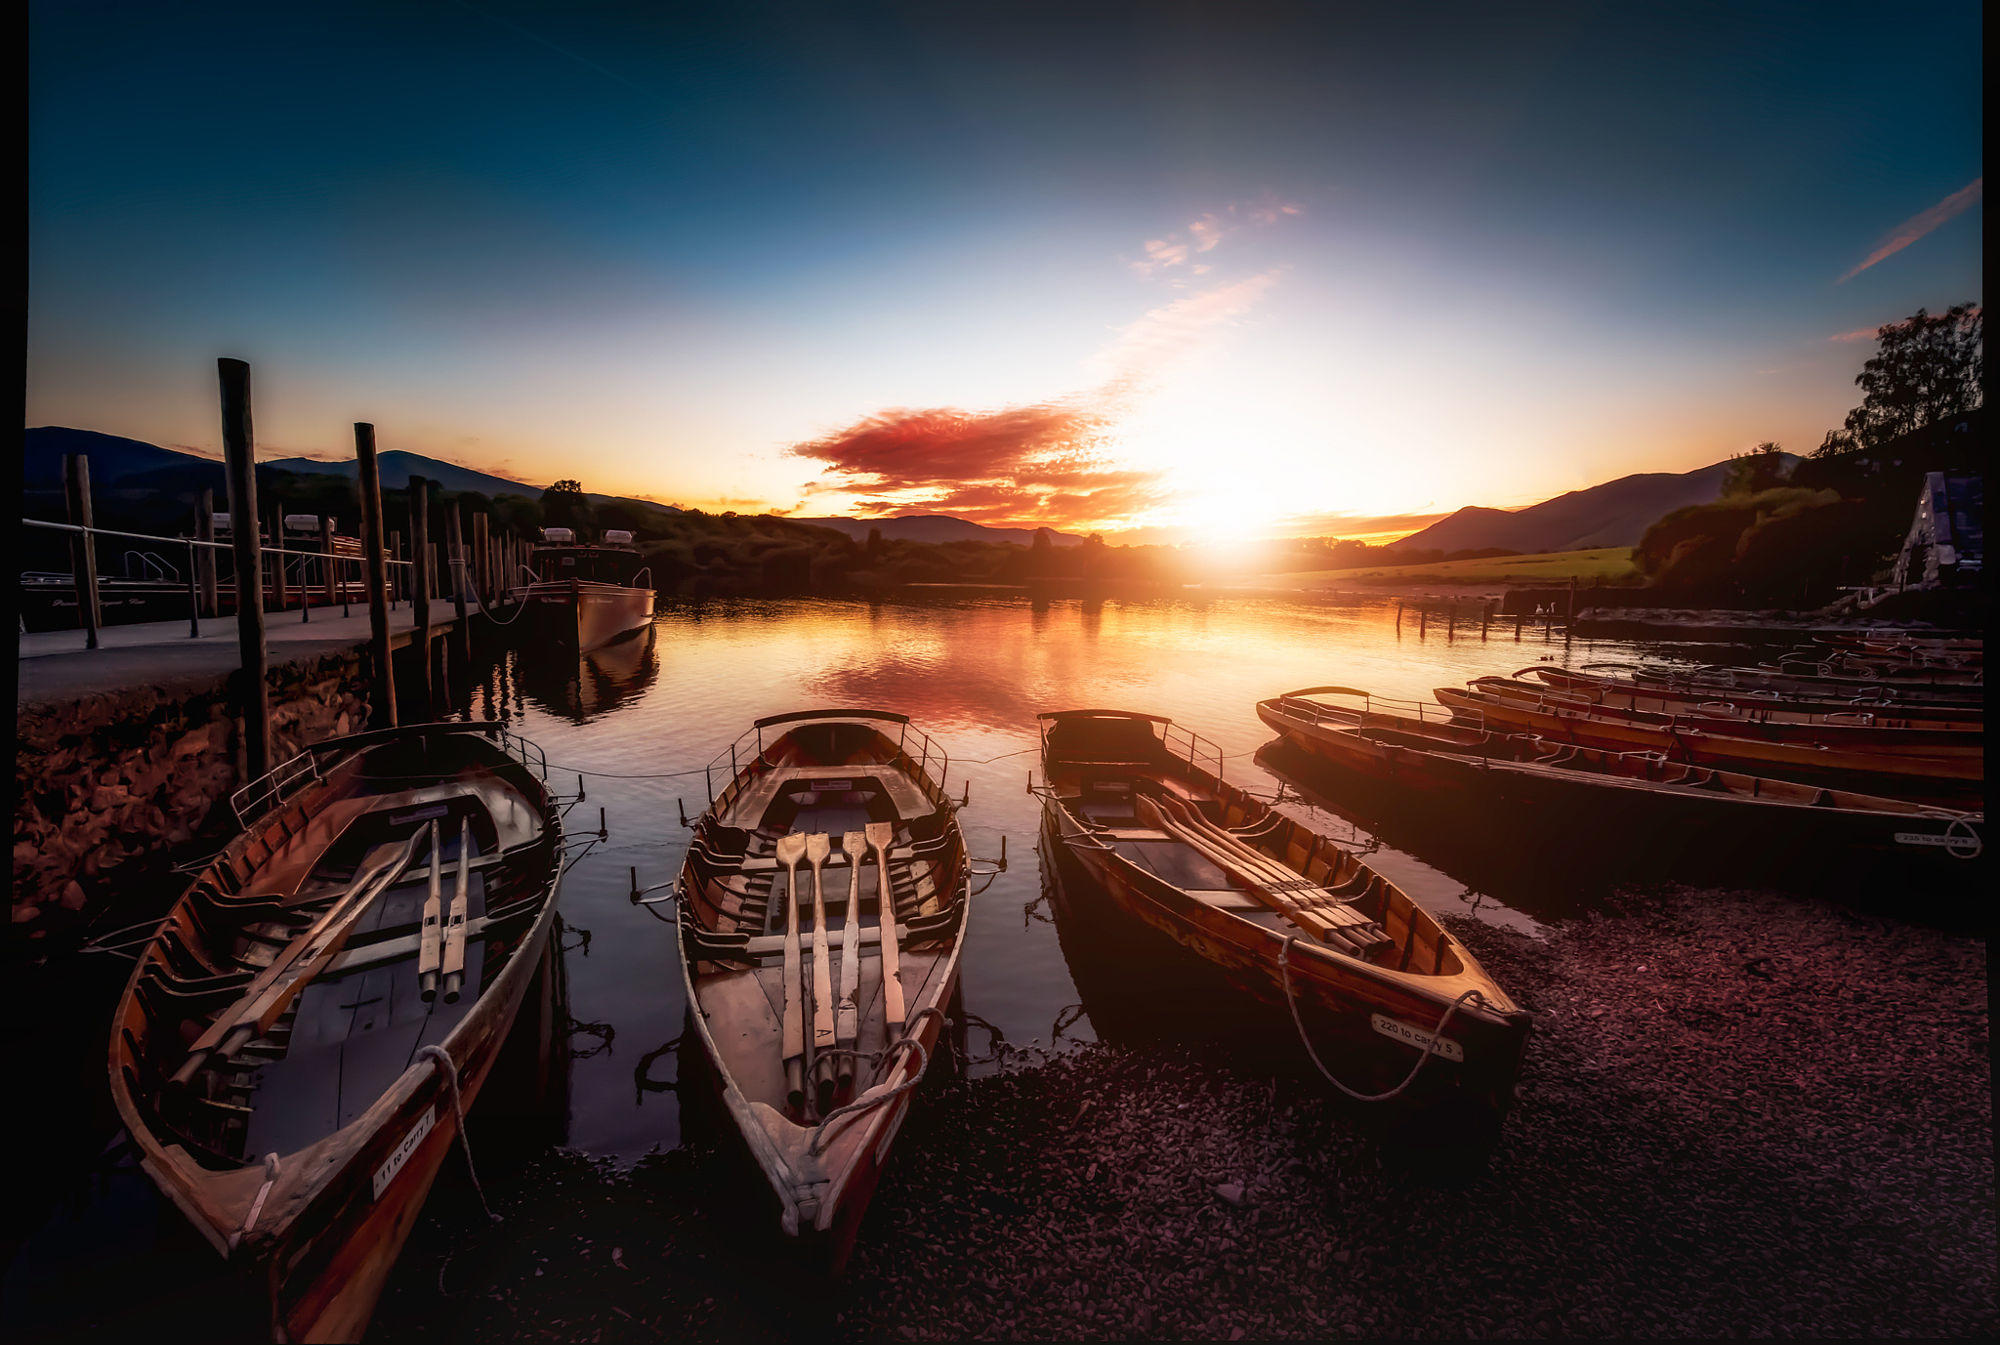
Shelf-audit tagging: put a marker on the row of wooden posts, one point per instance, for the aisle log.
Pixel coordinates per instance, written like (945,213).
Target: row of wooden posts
(1486,612)
(487,567)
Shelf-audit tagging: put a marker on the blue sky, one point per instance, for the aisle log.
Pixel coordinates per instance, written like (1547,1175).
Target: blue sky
(1124,270)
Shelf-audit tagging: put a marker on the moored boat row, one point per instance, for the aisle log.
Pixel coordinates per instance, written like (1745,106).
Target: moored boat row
(296,1047)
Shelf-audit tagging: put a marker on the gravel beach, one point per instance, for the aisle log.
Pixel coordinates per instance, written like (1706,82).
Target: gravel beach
(1743,1114)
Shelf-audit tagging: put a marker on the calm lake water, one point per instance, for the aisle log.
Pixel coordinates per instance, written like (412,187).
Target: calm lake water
(641,719)
(645,716)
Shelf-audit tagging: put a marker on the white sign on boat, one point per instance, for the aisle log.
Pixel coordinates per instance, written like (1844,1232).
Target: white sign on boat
(558,535)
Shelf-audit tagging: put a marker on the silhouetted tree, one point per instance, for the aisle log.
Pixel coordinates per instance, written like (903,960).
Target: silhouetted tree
(564,505)
(1762,468)
(1926,369)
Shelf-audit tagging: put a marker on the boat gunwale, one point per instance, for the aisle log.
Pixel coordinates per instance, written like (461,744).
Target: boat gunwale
(771,1162)
(1329,964)
(321,1171)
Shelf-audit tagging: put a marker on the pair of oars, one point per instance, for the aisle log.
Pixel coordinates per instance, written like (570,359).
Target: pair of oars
(441,947)
(1305,903)
(836,1027)
(267,996)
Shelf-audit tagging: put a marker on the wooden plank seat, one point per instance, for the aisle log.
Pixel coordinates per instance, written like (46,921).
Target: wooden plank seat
(747,809)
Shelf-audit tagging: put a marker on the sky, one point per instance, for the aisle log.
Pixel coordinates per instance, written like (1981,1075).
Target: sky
(1159,271)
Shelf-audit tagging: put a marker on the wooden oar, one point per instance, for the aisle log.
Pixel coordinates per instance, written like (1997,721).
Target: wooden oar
(430,944)
(878,836)
(265,999)
(452,962)
(791,849)
(1262,883)
(847,1016)
(818,846)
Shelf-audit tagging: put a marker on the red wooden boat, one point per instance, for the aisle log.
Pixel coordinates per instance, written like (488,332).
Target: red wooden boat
(823,913)
(1875,730)
(1578,789)
(1952,778)
(1390,1003)
(1664,695)
(295,1047)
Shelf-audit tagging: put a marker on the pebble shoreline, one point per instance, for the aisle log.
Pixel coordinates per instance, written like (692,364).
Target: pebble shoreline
(1742,1114)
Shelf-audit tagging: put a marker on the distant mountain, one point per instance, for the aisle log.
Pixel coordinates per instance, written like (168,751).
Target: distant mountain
(112,458)
(132,467)
(1616,513)
(938,528)
(398,466)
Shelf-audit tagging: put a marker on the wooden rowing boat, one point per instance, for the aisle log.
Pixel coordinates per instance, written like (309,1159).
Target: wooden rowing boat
(1950,777)
(1819,688)
(833,845)
(1283,912)
(1858,730)
(1664,696)
(1631,795)
(392,892)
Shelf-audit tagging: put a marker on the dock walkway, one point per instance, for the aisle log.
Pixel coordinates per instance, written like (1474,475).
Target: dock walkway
(55,665)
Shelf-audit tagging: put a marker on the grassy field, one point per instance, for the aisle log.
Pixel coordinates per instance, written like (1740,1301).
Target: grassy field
(1610,565)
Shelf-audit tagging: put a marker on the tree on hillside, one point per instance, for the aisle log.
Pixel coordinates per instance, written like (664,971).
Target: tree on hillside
(564,505)
(1762,468)
(1926,369)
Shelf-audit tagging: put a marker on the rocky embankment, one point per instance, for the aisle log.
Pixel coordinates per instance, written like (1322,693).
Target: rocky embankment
(1744,1114)
(112,788)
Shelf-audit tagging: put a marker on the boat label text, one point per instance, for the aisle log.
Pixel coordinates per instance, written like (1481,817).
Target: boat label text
(393,1164)
(1417,1036)
(1960,841)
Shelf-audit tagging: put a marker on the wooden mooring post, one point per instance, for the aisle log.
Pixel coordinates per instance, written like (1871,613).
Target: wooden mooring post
(204,556)
(372,550)
(1423,620)
(482,558)
(455,546)
(420,587)
(1450,621)
(1485,616)
(247,546)
(83,547)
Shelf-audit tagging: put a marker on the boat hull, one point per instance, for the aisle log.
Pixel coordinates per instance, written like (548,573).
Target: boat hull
(1953,779)
(316,1236)
(583,615)
(1504,796)
(1365,1021)
(836,760)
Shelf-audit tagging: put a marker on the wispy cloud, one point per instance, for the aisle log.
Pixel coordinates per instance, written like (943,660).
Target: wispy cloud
(1179,250)
(1915,227)
(1048,462)
(1141,350)
(1858,334)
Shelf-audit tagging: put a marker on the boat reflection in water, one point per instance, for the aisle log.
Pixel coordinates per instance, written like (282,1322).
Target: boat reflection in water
(582,687)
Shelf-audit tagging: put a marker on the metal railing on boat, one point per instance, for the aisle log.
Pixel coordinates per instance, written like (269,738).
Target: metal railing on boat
(287,778)
(911,742)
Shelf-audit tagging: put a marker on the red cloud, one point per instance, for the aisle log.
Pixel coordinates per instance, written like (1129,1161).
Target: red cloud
(1024,465)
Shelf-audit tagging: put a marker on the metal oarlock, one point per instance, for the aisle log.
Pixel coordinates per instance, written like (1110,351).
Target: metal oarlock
(638,894)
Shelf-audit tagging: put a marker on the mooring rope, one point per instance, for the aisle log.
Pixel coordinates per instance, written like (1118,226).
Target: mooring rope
(1423,1057)
(909,1038)
(450,1071)
(458,577)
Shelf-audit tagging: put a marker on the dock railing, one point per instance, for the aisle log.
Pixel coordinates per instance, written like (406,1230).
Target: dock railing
(336,582)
